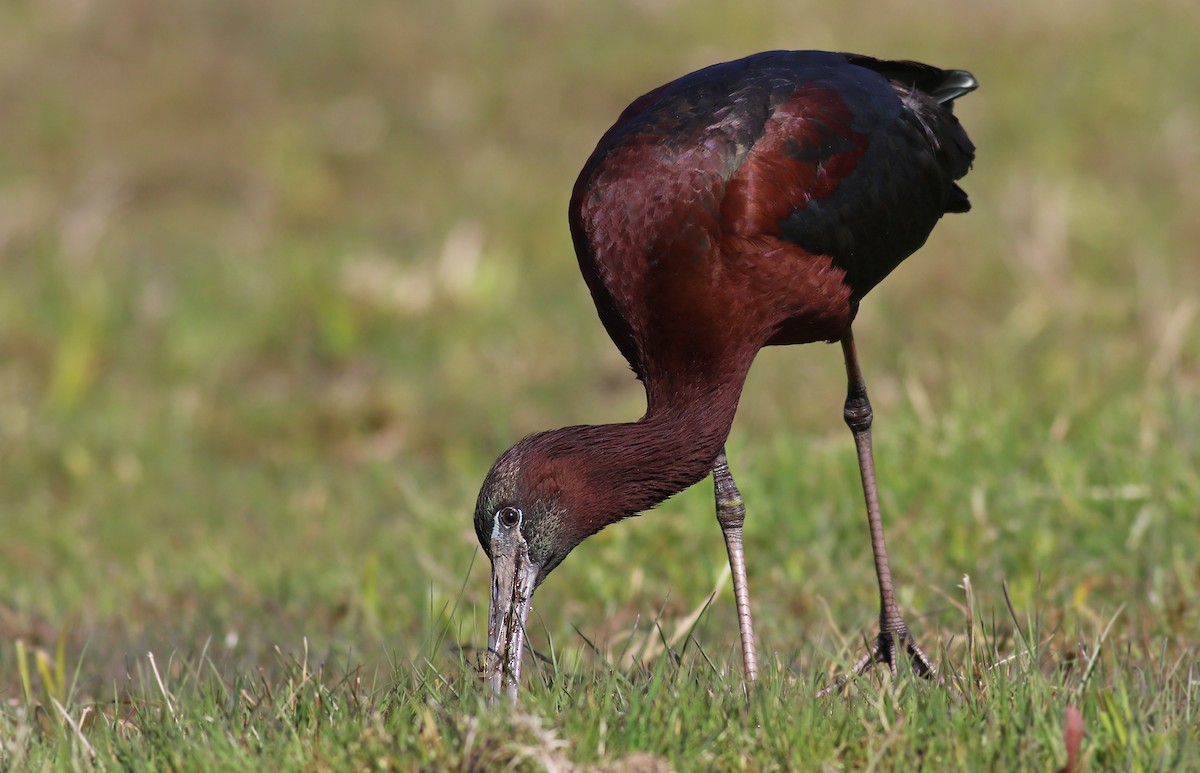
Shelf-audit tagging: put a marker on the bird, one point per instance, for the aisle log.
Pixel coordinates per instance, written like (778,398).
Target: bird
(747,204)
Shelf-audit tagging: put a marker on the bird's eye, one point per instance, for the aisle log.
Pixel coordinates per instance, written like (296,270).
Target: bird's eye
(508,517)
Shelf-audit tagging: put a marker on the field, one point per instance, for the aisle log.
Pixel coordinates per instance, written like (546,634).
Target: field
(278,281)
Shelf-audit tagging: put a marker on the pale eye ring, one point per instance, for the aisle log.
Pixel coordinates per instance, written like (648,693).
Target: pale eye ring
(508,517)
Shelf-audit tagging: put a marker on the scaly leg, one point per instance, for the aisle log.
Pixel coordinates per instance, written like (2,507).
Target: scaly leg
(893,633)
(731,514)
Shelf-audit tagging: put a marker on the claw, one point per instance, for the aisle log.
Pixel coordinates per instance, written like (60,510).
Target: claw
(883,650)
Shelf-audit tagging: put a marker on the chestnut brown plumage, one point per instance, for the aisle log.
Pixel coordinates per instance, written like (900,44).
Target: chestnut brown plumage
(747,204)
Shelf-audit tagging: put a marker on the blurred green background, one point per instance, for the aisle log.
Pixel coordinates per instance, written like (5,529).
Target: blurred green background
(279,280)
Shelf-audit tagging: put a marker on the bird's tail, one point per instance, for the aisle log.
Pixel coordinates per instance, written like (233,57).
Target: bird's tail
(953,84)
(944,86)
(930,93)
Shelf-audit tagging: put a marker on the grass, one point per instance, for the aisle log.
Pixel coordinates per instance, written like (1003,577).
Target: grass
(280,283)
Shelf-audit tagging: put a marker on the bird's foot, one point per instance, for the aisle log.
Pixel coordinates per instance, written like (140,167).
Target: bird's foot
(885,649)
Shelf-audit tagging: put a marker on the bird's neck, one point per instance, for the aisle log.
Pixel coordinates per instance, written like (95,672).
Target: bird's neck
(620,470)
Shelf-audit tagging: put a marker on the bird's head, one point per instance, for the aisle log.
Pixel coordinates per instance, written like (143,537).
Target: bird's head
(526,528)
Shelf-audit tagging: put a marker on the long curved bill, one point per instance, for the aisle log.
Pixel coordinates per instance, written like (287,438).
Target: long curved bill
(514,578)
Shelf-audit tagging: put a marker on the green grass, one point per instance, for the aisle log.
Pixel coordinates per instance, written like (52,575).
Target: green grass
(279,283)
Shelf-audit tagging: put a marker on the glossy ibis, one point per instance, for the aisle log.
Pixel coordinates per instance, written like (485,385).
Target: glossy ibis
(747,204)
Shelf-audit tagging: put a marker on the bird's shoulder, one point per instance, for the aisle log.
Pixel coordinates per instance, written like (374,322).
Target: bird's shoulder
(725,109)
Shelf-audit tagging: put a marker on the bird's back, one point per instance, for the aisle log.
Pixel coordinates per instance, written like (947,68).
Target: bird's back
(757,201)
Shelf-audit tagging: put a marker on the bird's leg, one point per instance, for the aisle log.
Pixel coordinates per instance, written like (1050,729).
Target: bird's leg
(893,633)
(731,514)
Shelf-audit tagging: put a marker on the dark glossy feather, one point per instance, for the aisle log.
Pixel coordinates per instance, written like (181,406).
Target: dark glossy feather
(805,177)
